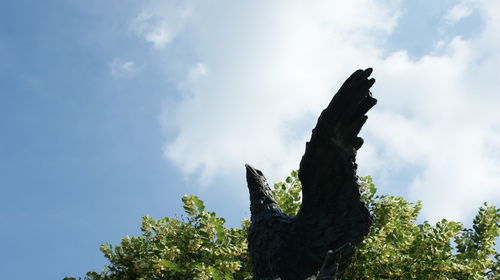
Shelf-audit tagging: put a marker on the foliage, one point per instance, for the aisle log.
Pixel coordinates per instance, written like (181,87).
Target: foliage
(399,248)
(200,247)
(288,194)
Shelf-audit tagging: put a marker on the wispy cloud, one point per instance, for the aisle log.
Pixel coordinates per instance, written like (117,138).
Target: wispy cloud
(265,71)
(461,10)
(153,29)
(124,68)
(159,24)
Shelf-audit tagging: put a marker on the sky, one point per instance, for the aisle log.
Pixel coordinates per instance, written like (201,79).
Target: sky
(111,110)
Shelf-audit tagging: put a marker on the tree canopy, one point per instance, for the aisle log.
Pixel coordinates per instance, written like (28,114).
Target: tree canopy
(199,246)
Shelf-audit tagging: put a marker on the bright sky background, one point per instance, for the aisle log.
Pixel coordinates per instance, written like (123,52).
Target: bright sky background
(110,110)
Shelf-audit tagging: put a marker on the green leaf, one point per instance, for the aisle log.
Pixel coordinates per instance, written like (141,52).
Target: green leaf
(199,203)
(171,265)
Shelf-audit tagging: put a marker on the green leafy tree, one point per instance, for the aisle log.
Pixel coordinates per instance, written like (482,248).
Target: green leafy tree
(201,247)
(399,248)
(198,247)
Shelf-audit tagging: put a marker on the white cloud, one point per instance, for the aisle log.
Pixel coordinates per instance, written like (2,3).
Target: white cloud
(190,84)
(124,68)
(461,10)
(439,114)
(153,29)
(276,67)
(265,70)
(159,24)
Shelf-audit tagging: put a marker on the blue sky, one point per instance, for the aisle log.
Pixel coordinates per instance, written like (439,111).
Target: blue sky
(110,110)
